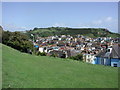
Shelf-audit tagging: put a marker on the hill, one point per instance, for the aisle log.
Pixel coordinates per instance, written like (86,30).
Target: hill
(91,32)
(1,30)
(21,70)
(0,66)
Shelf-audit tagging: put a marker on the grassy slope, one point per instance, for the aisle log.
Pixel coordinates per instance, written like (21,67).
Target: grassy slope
(27,71)
(0,66)
(91,32)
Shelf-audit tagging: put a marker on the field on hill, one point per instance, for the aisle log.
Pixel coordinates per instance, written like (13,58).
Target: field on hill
(89,32)
(22,70)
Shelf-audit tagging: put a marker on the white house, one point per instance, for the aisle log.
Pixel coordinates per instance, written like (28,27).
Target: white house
(41,49)
(88,58)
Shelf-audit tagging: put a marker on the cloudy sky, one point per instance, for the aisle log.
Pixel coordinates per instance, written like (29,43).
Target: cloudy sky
(27,15)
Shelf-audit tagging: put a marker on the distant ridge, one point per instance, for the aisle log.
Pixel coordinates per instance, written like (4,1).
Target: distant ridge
(90,32)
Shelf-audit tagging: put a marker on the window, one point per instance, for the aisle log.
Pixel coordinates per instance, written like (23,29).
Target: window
(108,50)
(115,65)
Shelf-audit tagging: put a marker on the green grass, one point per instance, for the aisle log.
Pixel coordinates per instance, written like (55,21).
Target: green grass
(22,70)
(0,66)
(91,32)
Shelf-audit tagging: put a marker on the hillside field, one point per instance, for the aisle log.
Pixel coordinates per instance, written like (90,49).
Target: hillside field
(21,70)
(89,32)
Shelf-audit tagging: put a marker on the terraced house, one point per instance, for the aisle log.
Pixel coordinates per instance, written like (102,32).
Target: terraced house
(109,57)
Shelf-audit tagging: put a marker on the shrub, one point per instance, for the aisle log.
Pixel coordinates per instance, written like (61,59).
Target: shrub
(40,53)
(54,55)
(78,57)
(17,40)
(43,54)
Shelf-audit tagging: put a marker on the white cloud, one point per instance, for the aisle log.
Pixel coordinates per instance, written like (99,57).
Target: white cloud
(59,25)
(98,22)
(13,27)
(108,19)
(104,20)
(108,22)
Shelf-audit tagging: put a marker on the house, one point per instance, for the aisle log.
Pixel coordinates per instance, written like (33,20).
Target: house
(115,56)
(109,57)
(88,58)
(41,49)
(59,54)
(71,52)
(60,43)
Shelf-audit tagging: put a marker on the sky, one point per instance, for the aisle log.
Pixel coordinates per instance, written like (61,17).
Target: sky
(20,16)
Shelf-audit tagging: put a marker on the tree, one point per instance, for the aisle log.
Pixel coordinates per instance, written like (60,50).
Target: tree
(17,40)
(35,28)
(40,53)
(1,30)
(78,57)
(54,55)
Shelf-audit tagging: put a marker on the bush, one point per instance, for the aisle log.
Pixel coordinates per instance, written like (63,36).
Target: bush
(40,53)
(17,41)
(54,55)
(43,54)
(1,31)
(78,57)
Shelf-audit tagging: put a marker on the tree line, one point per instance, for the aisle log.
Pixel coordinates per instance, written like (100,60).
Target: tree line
(91,32)
(17,41)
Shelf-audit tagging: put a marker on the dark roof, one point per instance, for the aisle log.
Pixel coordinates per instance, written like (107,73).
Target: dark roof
(107,55)
(94,45)
(101,54)
(115,51)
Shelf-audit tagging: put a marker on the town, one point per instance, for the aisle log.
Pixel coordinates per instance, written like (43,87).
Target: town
(59,44)
(101,50)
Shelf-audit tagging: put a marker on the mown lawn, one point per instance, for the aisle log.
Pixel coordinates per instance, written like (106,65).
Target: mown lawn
(0,66)
(22,70)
